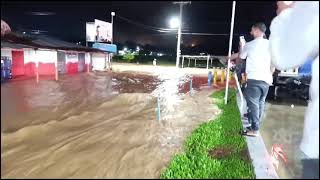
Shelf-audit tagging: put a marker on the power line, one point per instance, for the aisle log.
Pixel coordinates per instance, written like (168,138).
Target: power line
(167,31)
(207,34)
(170,31)
(197,34)
(203,34)
(146,26)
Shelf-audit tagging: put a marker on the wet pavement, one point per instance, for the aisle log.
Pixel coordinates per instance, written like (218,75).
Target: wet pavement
(98,125)
(283,125)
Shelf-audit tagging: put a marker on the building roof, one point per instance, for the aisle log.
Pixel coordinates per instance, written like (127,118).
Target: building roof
(5,44)
(19,41)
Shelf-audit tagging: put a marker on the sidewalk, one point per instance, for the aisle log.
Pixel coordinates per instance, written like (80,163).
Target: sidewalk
(260,157)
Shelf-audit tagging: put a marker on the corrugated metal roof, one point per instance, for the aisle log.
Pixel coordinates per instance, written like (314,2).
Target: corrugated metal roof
(14,45)
(42,41)
(52,42)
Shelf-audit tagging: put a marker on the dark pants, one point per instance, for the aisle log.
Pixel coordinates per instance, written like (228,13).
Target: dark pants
(241,68)
(256,93)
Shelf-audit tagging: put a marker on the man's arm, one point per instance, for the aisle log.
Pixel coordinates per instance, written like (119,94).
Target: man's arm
(234,56)
(295,35)
(242,54)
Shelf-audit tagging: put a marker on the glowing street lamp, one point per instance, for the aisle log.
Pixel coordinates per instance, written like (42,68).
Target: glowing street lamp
(177,23)
(112,15)
(174,22)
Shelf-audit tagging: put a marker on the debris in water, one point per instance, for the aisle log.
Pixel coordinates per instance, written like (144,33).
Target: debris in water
(277,153)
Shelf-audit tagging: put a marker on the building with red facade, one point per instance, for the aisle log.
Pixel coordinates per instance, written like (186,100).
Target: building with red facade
(36,55)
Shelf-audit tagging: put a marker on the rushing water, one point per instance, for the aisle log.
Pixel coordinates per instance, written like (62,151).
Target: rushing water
(98,125)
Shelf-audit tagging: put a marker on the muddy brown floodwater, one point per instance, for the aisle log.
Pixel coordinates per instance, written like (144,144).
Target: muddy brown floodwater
(97,125)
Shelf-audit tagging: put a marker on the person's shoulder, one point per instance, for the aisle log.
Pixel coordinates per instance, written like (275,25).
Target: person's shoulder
(249,43)
(276,21)
(257,41)
(262,40)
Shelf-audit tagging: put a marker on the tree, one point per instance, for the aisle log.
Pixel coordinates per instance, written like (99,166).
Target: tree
(129,57)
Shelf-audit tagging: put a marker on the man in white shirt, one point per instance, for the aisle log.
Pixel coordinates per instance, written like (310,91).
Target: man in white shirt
(294,39)
(259,75)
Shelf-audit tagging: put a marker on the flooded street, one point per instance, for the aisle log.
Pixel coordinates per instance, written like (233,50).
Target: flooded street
(98,125)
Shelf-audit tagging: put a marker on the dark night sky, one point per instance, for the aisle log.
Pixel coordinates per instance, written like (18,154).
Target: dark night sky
(68,22)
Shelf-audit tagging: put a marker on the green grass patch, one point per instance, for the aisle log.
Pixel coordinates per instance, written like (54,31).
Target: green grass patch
(215,136)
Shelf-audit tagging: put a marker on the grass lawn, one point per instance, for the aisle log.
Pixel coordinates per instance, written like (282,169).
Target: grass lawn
(215,149)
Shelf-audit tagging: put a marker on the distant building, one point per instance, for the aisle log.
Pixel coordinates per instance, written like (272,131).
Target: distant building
(43,55)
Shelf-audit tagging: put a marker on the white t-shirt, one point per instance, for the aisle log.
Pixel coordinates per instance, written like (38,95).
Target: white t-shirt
(294,39)
(258,63)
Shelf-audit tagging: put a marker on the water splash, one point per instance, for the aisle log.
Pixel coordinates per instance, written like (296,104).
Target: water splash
(168,90)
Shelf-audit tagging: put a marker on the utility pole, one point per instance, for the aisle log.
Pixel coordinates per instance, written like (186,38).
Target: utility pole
(181,3)
(110,55)
(112,14)
(229,52)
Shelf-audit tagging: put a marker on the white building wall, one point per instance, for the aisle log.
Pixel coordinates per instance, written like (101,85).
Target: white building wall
(72,57)
(6,52)
(29,56)
(98,61)
(87,58)
(46,56)
(43,56)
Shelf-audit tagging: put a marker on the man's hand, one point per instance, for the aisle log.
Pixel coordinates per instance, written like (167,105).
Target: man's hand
(282,5)
(234,56)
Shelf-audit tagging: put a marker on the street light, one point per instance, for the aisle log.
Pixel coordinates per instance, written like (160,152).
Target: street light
(112,14)
(111,55)
(174,22)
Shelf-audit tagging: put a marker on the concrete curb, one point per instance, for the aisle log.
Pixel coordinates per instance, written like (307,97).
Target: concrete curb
(259,155)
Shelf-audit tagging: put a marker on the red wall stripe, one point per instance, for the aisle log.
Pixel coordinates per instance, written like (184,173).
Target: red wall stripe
(46,68)
(72,68)
(30,69)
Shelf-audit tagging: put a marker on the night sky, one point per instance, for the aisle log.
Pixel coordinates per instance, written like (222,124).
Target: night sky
(67,20)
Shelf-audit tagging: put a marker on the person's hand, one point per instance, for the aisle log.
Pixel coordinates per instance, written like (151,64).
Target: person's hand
(233,56)
(282,5)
